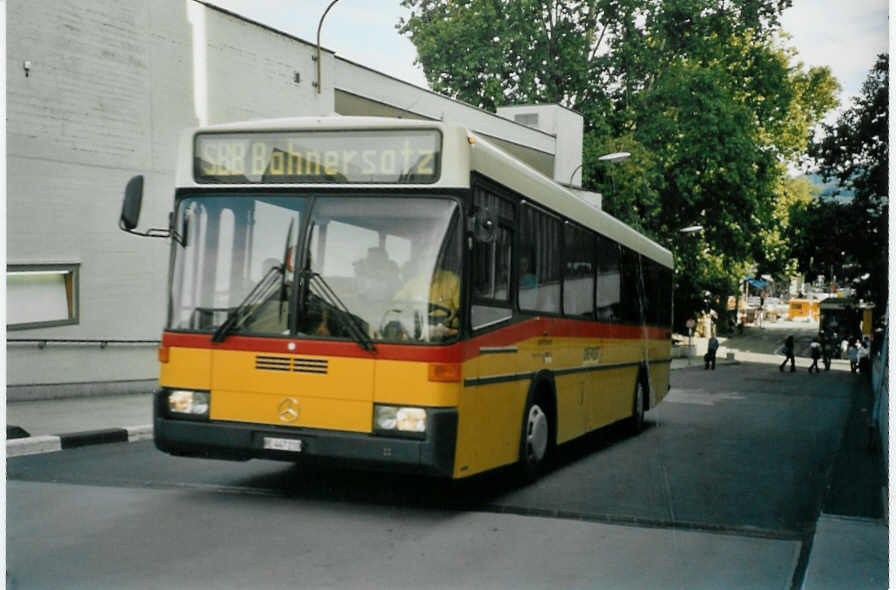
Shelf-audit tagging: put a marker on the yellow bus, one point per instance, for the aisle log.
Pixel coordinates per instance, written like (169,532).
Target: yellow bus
(396,294)
(798,309)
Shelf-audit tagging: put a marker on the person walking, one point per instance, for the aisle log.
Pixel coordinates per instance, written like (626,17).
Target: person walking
(852,353)
(788,355)
(709,359)
(815,352)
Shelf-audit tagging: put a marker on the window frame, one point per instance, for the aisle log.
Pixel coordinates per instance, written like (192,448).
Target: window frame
(561,260)
(591,237)
(72,288)
(507,224)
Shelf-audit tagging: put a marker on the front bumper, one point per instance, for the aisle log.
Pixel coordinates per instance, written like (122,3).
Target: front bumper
(239,441)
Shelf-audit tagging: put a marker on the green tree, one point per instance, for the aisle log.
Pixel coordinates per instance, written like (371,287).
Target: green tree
(701,92)
(495,52)
(777,257)
(855,151)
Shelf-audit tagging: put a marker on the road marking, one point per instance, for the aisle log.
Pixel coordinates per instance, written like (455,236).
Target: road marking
(699,397)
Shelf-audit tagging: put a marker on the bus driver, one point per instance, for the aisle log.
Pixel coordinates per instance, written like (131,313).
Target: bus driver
(443,286)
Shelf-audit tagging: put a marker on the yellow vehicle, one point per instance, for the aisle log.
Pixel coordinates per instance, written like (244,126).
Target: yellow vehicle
(396,294)
(802,309)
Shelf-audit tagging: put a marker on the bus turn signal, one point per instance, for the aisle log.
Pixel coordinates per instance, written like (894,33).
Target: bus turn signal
(448,372)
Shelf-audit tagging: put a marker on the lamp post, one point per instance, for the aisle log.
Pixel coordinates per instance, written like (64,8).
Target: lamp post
(690,230)
(320,24)
(614,158)
(611,158)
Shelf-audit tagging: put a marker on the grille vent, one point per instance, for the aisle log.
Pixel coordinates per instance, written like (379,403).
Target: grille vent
(286,364)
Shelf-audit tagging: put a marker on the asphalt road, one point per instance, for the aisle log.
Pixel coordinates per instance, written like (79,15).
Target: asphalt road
(722,490)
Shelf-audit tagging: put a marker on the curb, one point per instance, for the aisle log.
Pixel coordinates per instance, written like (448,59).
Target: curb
(50,443)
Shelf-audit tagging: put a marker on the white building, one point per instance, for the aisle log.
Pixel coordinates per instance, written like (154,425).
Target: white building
(97,92)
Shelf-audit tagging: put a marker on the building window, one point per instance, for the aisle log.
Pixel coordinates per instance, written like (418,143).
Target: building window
(530,119)
(41,295)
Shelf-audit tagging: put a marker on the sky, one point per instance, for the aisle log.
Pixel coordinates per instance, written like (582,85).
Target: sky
(845,35)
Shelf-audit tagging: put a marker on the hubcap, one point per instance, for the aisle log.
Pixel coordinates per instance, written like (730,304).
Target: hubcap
(536,434)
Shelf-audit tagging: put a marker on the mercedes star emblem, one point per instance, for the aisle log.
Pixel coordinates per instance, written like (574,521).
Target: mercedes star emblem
(288,410)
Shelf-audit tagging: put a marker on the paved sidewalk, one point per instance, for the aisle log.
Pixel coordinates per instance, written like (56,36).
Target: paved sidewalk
(847,553)
(56,424)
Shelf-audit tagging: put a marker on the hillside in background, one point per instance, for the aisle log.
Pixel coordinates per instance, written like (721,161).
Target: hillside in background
(831,189)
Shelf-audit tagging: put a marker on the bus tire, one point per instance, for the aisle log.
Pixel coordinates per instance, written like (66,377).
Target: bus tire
(535,438)
(638,404)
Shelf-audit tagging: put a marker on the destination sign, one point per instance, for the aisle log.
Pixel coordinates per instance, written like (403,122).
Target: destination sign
(399,156)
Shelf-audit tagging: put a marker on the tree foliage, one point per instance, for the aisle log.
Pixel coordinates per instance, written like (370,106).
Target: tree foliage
(849,240)
(703,93)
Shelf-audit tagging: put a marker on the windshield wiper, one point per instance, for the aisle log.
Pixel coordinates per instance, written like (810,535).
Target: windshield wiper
(319,288)
(238,316)
(262,290)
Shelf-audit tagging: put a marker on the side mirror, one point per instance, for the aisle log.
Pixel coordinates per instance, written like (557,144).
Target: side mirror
(484,226)
(133,200)
(130,214)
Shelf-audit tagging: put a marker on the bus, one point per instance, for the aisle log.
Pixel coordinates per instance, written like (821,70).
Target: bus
(395,294)
(845,317)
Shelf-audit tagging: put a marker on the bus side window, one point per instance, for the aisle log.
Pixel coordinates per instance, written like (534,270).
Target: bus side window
(609,285)
(491,264)
(658,289)
(578,275)
(632,291)
(540,266)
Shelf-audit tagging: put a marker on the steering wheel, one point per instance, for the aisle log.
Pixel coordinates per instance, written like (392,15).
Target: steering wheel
(439,309)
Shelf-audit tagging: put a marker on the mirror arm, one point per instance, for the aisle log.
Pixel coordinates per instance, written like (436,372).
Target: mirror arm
(157,233)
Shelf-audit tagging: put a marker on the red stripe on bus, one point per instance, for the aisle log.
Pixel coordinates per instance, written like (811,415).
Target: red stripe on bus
(402,352)
(513,334)
(542,327)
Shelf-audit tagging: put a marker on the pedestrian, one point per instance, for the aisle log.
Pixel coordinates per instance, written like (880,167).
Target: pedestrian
(709,359)
(788,355)
(864,357)
(826,352)
(815,353)
(852,353)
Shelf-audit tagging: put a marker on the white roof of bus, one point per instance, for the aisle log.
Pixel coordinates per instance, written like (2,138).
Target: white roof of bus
(479,155)
(510,172)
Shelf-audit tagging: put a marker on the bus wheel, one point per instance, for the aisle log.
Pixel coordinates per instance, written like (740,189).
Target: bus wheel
(637,420)
(534,440)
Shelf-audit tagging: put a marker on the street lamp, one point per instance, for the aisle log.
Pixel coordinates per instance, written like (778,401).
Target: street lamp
(691,229)
(611,158)
(615,157)
(317,57)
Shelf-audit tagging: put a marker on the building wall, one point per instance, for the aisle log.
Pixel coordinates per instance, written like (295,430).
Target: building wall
(565,126)
(362,91)
(111,85)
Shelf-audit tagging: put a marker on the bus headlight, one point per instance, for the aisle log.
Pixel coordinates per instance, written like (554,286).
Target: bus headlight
(399,420)
(193,403)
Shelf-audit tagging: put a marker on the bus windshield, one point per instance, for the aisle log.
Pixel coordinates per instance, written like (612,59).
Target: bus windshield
(387,266)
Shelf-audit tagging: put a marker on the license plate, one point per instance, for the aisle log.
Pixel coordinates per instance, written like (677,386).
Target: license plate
(292,445)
